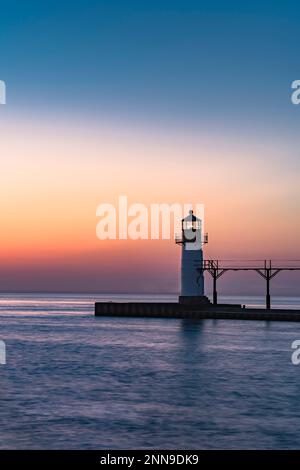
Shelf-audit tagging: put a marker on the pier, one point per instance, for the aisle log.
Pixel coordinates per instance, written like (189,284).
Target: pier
(201,307)
(267,269)
(176,310)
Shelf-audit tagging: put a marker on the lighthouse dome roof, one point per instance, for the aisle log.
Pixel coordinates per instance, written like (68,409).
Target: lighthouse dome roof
(191,217)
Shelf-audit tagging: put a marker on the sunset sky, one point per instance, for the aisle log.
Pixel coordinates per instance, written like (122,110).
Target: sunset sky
(162,101)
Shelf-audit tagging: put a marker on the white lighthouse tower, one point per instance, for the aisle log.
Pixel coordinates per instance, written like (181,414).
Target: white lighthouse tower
(192,278)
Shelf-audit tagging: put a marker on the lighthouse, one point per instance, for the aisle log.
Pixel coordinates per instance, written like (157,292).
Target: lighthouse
(192,278)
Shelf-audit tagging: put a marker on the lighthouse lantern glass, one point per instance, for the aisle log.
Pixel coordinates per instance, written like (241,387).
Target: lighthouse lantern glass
(191,224)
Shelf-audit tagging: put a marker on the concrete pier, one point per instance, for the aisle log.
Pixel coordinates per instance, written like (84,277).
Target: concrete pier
(176,310)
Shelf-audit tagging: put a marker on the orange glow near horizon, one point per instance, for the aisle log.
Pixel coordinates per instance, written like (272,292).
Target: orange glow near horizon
(53,178)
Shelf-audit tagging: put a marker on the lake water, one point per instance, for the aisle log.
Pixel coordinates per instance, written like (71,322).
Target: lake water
(73,381)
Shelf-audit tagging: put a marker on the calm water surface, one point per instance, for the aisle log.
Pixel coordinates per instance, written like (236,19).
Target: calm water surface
(80,382)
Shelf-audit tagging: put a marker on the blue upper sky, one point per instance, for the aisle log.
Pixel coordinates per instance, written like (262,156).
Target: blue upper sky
(180,60)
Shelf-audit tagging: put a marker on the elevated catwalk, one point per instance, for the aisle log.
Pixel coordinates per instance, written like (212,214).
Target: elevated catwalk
(177,310)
